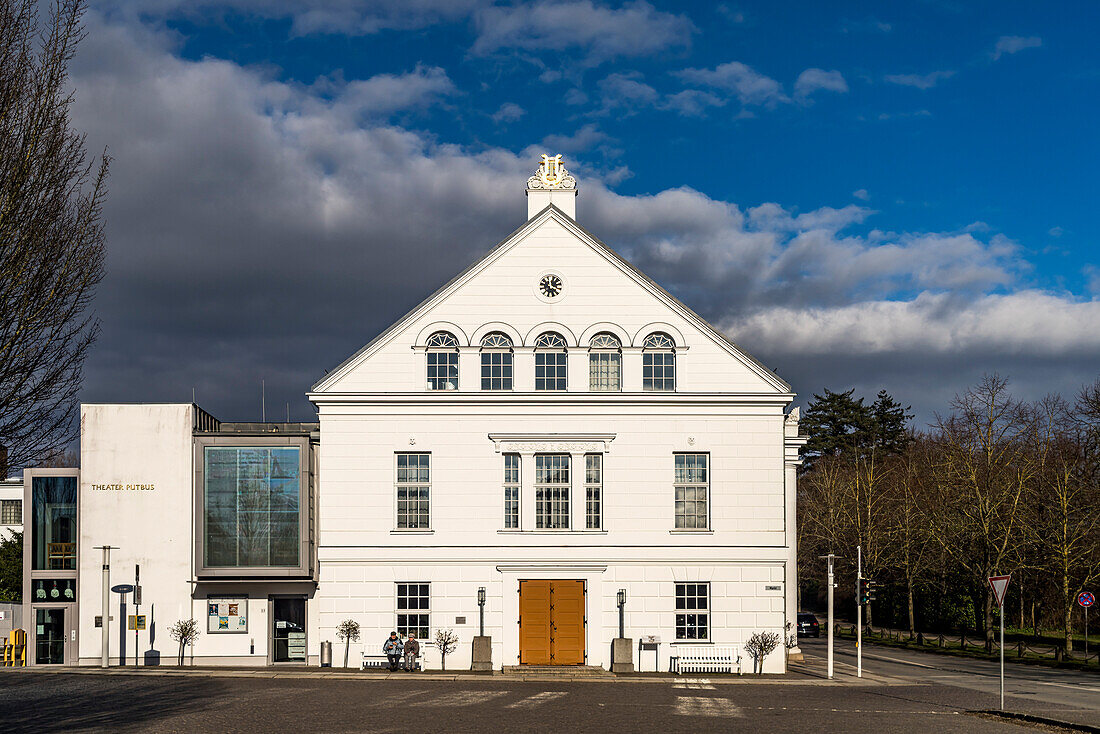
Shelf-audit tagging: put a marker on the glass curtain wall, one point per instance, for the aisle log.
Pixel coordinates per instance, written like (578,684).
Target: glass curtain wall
(251,502)
(53,530)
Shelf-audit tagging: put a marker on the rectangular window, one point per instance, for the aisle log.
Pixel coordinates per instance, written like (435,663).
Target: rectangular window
(11,512)
(550,370)
(413,488)
(496,370)
(604,370)
(251,506)
(511,491)
(53,523)
(659,371)
(442,370)
(692,485)
(413,610)
(593,491)
(692,611)
(552,491)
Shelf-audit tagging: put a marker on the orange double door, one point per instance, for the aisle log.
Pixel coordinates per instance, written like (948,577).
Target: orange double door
(551,622)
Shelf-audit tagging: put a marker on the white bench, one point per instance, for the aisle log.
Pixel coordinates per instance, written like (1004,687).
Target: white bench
(378,660)
(707,659)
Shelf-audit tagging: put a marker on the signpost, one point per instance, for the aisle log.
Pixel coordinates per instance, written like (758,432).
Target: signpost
(1086,600)
(859,611)
(999,584)
(830,558)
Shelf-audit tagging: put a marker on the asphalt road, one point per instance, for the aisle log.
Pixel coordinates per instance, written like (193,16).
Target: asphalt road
(1059,694)
(200,703)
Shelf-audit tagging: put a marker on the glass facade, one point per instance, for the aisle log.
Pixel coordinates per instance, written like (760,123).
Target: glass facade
(53,525)
(251,505)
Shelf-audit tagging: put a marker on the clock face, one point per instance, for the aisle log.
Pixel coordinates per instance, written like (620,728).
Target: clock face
(550,285)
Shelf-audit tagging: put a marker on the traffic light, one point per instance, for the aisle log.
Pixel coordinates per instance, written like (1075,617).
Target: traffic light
(867,589)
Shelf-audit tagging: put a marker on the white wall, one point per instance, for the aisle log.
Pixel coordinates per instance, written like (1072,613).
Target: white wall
(12,489)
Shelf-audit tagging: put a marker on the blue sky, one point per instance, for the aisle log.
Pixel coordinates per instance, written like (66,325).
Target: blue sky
(862,194)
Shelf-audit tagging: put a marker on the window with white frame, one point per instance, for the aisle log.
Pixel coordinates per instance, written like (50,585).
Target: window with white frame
(442,361)
(11,512)
(413,490)
(658,363)
(692,484)
(414,609)
(496,362)
(550,362)
(511,491)
(693,611)
(593,491)
(605,363)
(552,491)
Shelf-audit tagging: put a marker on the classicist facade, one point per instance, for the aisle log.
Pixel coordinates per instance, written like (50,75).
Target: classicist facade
(550,431)
(554,427)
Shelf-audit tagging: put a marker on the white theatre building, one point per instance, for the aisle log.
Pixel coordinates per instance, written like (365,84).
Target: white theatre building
(550,426)
(553,426)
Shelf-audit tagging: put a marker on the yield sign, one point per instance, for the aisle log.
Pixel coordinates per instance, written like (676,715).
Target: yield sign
(999,584)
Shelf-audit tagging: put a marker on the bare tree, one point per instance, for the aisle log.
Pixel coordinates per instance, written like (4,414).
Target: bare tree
(909,532)
(185,632)
(982,474)
(445,641)
(759,646)
(51,232)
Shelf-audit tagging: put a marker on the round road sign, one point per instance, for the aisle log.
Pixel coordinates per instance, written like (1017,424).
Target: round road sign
(1086,599)
(122,588)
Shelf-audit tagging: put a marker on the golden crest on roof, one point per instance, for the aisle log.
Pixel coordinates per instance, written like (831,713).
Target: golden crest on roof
(551,174)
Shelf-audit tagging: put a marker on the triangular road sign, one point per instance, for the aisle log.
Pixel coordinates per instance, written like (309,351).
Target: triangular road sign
(999,584)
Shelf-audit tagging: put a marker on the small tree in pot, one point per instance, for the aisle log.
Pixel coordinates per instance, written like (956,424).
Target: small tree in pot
(348,631)
(760,645)
(185,632)
(446,641)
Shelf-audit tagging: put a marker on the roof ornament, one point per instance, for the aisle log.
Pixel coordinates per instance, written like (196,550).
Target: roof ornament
(551,174)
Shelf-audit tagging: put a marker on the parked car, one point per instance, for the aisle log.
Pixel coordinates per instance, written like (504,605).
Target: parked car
(807,625)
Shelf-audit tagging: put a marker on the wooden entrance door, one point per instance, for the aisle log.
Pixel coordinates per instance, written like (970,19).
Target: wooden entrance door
(551,617)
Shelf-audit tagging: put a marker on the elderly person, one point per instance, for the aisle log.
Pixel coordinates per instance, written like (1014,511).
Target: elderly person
(392,649)
(412,649)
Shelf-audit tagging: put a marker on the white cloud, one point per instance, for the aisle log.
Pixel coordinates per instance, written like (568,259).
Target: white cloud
(626,91)
(344,17)
(750,86)
(692,102)
(601,33)
(1014,44)
(384,94)
(861,194)
(920,81)
(313,222)
(508,112)
(813,80)
(1055,231)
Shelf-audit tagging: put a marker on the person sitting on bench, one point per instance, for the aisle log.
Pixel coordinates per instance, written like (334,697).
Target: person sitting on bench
(392,650)
(412,649)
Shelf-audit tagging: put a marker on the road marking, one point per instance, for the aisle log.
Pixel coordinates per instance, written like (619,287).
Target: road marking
(464,698)
(702,684)
(536,700)
(1073,687)
(689,706)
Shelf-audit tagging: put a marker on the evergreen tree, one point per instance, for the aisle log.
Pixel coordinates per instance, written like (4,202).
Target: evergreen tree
(890,424)
(11,567)
(838,424)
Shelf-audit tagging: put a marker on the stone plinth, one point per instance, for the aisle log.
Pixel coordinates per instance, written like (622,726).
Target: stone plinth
(482,653)
(622,655)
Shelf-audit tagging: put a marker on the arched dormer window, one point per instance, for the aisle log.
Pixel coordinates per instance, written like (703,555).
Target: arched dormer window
(659,362)
(496,362)
(550,361)
(605,363)
(442,361)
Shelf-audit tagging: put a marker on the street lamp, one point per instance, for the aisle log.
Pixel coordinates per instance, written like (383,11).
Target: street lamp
(481,607)
(621,598)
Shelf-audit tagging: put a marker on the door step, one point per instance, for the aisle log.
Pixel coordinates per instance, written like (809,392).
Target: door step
(557,671)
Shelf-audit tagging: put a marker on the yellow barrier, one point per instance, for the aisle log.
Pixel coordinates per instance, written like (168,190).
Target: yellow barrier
(15,649)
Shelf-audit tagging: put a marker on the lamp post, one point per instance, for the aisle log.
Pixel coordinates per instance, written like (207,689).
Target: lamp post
(621,598)
(481,608)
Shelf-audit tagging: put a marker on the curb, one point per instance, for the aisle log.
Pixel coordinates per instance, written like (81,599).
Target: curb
(1030,719)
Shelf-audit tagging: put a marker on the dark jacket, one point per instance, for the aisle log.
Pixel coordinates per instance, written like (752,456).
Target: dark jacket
(412,646)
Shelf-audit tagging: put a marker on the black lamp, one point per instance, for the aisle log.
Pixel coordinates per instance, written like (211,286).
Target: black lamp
(621,597)
(481,608)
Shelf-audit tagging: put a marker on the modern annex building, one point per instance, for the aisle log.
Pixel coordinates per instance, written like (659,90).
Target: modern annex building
(550,426)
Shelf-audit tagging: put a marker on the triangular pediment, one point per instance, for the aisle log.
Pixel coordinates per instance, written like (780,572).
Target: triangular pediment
(600,288)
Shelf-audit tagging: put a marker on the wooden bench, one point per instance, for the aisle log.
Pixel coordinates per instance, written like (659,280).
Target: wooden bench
(706,659)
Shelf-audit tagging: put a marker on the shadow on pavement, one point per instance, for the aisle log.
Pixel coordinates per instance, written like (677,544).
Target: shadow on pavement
(59,702)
